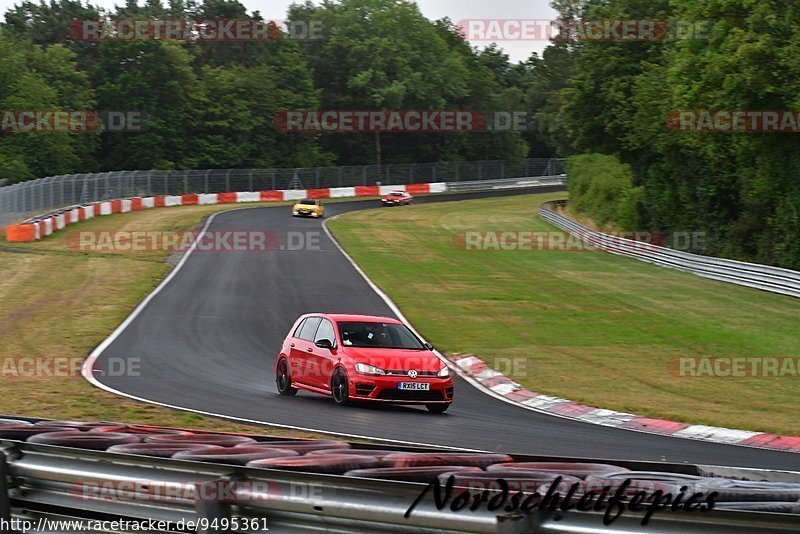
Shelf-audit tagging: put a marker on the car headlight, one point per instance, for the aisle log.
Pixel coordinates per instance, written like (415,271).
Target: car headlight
(364,369)
(444,373)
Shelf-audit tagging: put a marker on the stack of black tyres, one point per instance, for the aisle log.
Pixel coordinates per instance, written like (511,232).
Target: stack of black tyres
(333,457)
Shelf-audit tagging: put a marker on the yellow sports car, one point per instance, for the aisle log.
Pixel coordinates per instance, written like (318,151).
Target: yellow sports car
(308,207)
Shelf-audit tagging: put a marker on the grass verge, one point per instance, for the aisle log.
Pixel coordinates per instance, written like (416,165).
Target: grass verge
(59,302)
(592,327)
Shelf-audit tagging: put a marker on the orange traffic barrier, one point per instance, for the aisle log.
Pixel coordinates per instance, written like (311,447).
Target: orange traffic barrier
(416,189)
(267,196)
(367,190)
(20,233)
(318,193)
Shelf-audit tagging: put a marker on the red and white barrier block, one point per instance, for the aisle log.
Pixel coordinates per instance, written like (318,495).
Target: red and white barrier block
(500,385)
(44,225)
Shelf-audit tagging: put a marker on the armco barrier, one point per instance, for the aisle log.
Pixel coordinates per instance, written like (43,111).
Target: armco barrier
(509,183)
(54,482)
(764,277)
(43,225)
(24,199)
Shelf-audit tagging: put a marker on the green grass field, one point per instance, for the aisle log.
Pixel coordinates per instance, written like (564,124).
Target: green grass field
(56,301)
(587,326)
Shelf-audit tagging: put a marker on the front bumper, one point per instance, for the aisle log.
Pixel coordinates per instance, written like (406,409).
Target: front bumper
(298,213)
(385,389)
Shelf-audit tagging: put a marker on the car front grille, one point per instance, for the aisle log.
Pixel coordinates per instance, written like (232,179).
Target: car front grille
(410,395)
(405,373)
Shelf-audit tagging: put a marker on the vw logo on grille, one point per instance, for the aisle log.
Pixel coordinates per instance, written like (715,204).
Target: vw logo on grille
(412,374)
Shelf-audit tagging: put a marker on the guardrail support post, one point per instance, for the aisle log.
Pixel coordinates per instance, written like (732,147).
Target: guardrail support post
(5,501)
(212,511)
(514,524)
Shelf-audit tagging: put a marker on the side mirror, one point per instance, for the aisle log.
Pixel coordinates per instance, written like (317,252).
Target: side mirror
(428,346)
(324,344)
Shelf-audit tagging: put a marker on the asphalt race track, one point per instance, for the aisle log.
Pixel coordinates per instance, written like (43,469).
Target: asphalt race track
(208,341)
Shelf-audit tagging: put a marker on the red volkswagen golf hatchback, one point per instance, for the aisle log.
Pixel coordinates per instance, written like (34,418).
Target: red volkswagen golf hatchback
(362,358)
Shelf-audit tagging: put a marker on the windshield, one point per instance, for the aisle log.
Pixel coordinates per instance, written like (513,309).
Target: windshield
(396,194)
(378,335)
(308,202)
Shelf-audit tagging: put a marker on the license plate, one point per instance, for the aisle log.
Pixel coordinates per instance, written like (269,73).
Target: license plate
(414,386)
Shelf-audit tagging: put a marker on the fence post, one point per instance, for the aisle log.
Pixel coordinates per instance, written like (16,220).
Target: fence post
(205,181)
(214,512)
(5,501)
(250,179)
(228,181)
(364,175)
(273,179)
(317,177)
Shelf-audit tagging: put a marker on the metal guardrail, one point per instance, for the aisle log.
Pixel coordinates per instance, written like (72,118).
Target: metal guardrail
(21,200)
(764,277)
(39,481)
(45,481)
(509,183)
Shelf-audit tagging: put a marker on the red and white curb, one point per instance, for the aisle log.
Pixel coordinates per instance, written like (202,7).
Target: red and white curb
(43,225)
(502,386)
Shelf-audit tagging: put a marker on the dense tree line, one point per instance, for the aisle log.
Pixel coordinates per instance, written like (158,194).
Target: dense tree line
(211,104)
(743,189)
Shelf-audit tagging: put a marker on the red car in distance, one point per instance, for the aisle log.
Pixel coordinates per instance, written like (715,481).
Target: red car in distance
(362,358)
(397,198)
